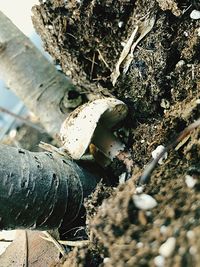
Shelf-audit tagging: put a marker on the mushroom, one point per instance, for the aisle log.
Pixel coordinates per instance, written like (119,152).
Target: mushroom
(92,123)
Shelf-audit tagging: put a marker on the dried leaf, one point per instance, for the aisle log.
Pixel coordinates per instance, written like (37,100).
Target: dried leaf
(115,74)
(145,27)
(6,238)
(28,249)
(128,50)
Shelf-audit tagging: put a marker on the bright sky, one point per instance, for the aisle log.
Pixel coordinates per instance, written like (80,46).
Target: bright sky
(19,11)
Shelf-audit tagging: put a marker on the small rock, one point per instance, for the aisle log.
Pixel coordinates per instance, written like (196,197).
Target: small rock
(139,189)
(148,213)
(167,248)
(122,178)
(159,261)
(139,245)
(190,234)
(190,181)
(144,202)
(163,229)
(120,24)
(50,27)
(180,63)
(106,260)
(181,251)
(195,14)
(193,250)
(165,103)
(157,152)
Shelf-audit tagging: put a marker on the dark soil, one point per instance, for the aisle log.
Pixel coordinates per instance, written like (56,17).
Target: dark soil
(162,91)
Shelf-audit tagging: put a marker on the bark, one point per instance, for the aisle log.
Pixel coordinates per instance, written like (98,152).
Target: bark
(40,190)
(32,77)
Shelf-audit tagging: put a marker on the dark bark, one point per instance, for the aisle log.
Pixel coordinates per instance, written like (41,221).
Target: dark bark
(40,190)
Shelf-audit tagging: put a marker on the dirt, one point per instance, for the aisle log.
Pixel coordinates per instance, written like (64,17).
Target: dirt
(162,91)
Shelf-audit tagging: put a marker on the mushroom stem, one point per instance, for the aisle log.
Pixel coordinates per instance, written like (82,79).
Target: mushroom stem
(112,147)
(107,142)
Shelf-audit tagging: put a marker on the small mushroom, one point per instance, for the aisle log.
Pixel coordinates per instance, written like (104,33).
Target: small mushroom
(92,123)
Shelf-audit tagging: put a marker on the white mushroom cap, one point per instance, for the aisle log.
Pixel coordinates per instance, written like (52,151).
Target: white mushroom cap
(77,130)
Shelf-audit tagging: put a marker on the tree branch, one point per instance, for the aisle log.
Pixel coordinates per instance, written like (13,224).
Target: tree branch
(32,77)
(40,190)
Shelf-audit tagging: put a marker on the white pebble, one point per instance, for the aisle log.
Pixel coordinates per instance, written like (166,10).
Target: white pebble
(163,229)
(50,27)
(120,24)
(148,213)
(195,14)
(139,189)
(190,181)
(167,248)
(159,261)
(139,245)
(122,178)
(193,250)
(144,202)
(159,149)
(180,63)
(190,234)
(106,260)
(181,251)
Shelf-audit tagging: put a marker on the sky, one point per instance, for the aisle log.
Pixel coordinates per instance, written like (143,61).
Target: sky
(19,11)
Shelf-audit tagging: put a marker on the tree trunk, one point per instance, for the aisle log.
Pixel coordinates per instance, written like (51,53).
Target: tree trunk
(32,77)
(40,190)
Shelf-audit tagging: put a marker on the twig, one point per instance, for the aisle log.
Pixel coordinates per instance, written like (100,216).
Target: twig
(52,149)
(26,249)
(78,243)
(145,177)
(70,243)
(22,119)
(92,67)
(101,57)
(55,242)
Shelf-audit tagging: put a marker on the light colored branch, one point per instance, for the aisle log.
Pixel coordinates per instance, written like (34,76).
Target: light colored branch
(32,77)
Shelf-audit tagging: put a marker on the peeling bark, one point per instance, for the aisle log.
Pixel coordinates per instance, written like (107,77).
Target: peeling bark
(40,190)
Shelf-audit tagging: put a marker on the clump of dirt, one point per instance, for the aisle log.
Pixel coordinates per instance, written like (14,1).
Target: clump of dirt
(133,237)
(162,91)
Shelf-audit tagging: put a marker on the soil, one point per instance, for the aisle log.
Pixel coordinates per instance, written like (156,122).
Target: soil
(162,91)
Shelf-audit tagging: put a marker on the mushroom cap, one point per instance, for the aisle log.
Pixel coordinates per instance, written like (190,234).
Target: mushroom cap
(78,128)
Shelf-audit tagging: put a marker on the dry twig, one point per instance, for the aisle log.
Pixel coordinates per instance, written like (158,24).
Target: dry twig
(145,177)
(24,120)
(55,242)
